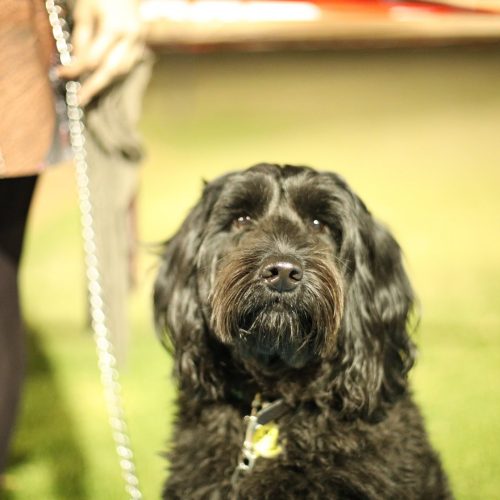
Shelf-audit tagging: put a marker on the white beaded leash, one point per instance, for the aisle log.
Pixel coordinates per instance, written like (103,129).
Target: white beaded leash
(106,359)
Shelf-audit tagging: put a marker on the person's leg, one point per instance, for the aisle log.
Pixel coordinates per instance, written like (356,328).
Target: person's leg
(15,197)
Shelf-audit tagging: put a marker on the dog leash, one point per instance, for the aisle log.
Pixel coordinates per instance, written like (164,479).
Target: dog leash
(106,358)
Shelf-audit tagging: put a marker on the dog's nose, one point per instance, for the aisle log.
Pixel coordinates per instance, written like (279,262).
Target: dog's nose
(282,275)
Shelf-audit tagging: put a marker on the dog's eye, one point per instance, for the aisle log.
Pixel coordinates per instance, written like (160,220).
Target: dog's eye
(242,221)
(317,226)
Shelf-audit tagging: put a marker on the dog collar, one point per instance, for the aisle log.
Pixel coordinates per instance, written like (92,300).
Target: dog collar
(261,435)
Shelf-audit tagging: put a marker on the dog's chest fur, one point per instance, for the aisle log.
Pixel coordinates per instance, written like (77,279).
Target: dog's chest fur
(323,457)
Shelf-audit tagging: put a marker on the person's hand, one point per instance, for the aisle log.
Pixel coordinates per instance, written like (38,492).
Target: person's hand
(107,41)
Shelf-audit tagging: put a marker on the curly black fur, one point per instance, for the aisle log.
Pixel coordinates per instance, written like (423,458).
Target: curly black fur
(335,348)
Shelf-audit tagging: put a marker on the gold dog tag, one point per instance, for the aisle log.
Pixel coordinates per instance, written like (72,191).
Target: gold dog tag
(265,441)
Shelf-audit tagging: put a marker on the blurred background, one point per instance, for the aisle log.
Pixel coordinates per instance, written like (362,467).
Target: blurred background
(402,99)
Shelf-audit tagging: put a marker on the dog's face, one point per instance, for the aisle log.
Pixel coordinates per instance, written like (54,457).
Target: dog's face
(279,269)
(271,284)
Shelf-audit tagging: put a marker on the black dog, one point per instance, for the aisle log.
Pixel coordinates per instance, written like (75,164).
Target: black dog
(285,300)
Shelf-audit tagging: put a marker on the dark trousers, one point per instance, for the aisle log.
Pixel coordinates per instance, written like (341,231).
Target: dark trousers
(15,198)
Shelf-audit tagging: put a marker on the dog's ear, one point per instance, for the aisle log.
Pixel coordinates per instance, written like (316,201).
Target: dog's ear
(178,316)
(375,350)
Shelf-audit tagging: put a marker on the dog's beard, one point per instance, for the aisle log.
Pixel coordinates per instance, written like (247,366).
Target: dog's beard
(276,331)
(276,334)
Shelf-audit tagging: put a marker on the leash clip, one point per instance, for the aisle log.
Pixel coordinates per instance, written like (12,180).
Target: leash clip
(248,454)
